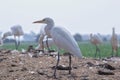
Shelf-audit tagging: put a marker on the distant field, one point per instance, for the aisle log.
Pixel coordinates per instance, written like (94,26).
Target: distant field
(23,45)
(87,48)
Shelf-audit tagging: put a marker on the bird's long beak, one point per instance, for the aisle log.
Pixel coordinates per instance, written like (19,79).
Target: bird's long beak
(41,21)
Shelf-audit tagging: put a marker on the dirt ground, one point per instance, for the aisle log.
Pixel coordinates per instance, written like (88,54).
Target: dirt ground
(15,65)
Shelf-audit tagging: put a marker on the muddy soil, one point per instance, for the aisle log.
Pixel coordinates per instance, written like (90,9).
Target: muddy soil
(15,65)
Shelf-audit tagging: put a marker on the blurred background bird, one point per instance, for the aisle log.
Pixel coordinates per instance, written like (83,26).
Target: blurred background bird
(114,43)
(1,41)
(96,40)
(16,31)
(44,41)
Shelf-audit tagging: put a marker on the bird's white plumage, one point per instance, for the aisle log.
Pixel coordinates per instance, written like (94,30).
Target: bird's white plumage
(6,34)
(114,40)
(95,39)
(42,34)
(43,39)
(61,37)
(42,31)
(64,40)
(50,43)
(17,30)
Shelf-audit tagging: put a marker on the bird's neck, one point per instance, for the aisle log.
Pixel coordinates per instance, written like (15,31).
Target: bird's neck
(113,31)
(91,36)
(50,25)
(48,28)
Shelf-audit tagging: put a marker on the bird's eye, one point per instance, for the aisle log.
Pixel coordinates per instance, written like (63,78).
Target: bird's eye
(43,19)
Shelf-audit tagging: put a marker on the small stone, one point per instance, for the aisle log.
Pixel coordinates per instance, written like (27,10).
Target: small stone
(105,72)
(90,64)
(11,70)
(13,65)
(107,66)
(24,69)
(32,72)
(62,67)
(40,72)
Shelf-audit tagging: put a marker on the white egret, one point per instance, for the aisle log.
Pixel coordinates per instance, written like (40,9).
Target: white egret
(16,31)
(96,40)
(114,42)
(1,41)
(43,42)
(62,39)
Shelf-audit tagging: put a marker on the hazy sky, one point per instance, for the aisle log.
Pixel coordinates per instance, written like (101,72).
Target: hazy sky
(78,16)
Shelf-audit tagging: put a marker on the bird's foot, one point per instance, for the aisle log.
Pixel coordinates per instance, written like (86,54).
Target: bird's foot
(51,51)
(54,76)
(112,56)
(69,72)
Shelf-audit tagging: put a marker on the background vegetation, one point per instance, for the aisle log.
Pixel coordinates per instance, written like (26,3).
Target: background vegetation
(87,49)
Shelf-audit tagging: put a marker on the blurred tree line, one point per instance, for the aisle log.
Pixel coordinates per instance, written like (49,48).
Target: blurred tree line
(33,37)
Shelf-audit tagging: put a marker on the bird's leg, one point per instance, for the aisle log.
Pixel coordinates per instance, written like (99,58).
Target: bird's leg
(56,65)
(47,45)
(112,52)
(96,51)
(16,45)
(43,47)
(70,63)
(99,52)
(117,51)
(15,42)
(18,42)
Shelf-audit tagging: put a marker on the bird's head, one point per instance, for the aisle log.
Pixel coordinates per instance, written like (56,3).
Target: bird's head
(113,29)
(45,20)
(91,34)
